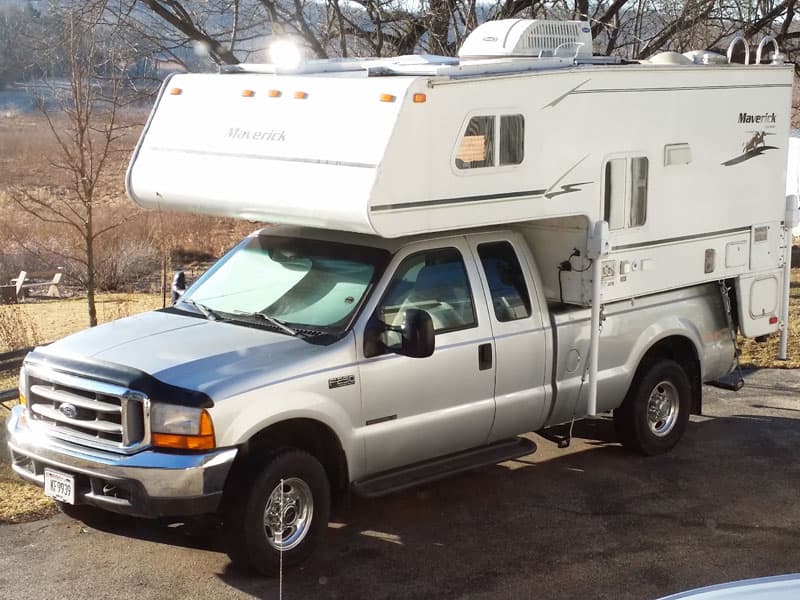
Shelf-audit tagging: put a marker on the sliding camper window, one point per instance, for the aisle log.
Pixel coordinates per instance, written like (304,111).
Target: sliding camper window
(477,148)
(625,192)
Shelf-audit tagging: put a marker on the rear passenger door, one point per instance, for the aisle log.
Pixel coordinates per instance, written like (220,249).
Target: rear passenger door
(521,337)
(420,408)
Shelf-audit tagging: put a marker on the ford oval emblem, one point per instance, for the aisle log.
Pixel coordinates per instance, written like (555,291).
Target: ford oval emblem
(586,30)
(68,410)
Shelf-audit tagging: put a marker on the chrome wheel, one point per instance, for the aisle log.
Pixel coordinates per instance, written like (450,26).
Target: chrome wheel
(663,407)
(287,516)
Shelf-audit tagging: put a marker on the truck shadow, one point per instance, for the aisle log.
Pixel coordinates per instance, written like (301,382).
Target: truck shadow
(591,510)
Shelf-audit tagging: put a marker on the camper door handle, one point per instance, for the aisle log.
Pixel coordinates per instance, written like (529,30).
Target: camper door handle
(484,357)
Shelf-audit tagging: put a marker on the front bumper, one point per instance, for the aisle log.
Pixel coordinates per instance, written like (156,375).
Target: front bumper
(147,484)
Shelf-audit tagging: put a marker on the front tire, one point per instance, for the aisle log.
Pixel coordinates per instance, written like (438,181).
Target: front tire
(283,509)
(655,413)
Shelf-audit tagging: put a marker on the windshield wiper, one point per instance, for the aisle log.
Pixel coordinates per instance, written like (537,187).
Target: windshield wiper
(271,320)
(207,312)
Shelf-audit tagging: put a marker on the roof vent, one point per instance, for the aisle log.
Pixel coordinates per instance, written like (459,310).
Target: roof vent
(528,37)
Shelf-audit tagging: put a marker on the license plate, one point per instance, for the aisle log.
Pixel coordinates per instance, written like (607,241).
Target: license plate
(59,486)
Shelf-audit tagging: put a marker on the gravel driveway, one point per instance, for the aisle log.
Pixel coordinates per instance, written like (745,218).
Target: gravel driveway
(588,522)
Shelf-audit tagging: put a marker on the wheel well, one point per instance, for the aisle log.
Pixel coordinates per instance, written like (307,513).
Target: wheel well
(308,435)
(682,350)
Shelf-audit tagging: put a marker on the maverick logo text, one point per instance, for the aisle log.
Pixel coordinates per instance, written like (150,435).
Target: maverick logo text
(766,118)
(272,135)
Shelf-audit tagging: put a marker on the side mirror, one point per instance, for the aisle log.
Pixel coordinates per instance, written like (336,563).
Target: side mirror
(417,338)
(416,334)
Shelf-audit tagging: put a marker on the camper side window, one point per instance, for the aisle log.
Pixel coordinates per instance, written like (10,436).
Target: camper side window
(512,139)
(477,147)
(625,192)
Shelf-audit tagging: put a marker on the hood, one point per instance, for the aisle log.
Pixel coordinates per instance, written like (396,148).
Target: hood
(217,358)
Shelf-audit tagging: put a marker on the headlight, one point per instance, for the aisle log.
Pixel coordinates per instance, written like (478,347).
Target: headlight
(182,427)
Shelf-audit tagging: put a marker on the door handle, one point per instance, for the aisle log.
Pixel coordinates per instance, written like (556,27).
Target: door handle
(484,357)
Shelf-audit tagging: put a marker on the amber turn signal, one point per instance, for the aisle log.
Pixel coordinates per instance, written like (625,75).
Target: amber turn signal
(204,440)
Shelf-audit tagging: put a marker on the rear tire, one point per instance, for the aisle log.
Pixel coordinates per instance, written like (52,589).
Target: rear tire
(654,415)
(254,531)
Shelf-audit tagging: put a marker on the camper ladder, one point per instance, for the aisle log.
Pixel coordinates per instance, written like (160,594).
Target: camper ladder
(734,381)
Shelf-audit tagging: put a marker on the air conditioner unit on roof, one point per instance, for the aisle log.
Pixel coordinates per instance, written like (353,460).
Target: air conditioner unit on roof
(528,37)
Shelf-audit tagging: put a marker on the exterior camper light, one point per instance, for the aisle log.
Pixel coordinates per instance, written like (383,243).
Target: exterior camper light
(248,93)
(301,95)
(274,93)
(386,98)
(284,54)
(420,98)
(176,91)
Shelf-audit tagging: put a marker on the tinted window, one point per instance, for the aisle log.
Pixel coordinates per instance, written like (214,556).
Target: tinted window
(638,213)
(512,139)
(435,281)
(507,286)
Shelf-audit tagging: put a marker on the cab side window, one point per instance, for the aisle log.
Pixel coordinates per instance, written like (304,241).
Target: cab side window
(435,281)
(510,297)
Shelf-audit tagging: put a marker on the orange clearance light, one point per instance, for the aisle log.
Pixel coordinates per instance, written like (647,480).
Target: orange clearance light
(300,95)
(387,98)
(274,93)
(248,93)
(420,98)
(22,400)
(176,91)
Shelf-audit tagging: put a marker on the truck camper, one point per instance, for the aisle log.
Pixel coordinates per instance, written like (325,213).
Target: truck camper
(461,251)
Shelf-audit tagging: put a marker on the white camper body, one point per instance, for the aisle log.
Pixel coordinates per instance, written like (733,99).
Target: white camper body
(686,162)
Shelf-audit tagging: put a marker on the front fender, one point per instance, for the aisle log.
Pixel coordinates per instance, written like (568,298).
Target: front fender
(253,412)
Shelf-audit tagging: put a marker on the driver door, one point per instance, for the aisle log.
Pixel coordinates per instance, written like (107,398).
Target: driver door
(419,408)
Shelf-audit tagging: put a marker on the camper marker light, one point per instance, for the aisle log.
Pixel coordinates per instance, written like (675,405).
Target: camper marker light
(176,91)
(773,320)
(300,95)
(386,98)
(284,54)
(420,98)
(22,400)
(181,427)
(248,93)
(274,93)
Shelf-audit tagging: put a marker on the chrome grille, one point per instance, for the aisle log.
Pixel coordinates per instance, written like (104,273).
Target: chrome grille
(87,412)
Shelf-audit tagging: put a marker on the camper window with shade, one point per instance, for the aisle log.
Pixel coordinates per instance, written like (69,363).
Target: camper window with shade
(477,148)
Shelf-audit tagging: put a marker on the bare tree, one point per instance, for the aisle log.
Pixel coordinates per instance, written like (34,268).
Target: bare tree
(86,137)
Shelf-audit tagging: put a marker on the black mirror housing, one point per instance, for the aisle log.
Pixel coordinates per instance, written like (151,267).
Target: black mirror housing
(418,338)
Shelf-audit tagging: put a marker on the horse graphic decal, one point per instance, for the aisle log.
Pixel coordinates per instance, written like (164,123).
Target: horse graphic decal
(755,146)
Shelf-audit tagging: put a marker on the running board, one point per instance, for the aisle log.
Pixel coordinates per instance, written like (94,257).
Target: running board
(438,468)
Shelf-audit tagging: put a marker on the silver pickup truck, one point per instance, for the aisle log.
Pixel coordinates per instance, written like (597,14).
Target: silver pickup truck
(309,364)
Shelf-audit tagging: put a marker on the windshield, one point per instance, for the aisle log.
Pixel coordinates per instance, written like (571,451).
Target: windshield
(288,283)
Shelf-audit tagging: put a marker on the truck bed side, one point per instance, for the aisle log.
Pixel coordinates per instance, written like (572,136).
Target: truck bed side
(631,329)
